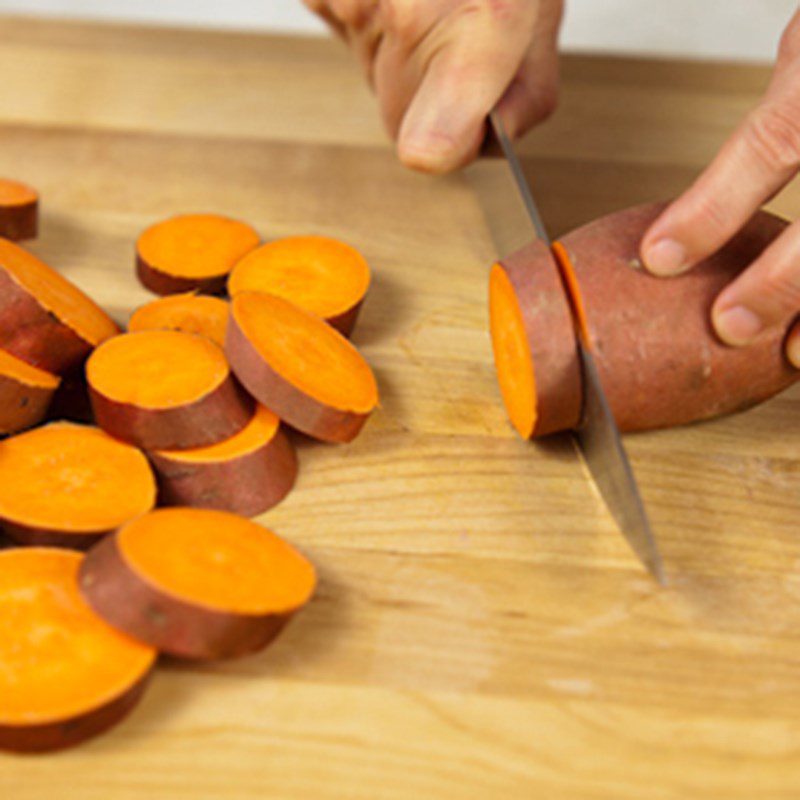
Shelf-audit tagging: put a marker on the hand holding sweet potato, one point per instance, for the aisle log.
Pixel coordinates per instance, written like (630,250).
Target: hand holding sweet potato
(759,159)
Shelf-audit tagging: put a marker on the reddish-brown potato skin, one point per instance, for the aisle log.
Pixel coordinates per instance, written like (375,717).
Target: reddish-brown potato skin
(220,414)
(248,485)
(550,332)
(31,333)
(659,359)
(19,222)
(163,283)
(297,409)
(133,605)
(21,405)
(70,732)
(48,537)
(346,321)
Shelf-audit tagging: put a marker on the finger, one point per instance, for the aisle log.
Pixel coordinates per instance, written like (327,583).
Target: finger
(362,29)
(533,94)
(760,158)
(466,76)
(793,345)
(366,43)
(764,295)
(401,58)
(322,9)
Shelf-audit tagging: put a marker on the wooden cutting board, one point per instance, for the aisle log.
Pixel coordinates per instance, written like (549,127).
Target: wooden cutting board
(481,629)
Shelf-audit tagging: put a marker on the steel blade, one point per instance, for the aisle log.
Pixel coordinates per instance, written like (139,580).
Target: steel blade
(513,219)
(603,453)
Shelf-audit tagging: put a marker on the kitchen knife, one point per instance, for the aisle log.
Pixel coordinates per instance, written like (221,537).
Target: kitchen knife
(513,218)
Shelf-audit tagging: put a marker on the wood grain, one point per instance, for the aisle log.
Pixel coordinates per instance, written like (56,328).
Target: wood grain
(481,629)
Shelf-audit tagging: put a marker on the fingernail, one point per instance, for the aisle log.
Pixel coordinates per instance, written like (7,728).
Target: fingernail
(793,349)
(666,257)
(424,149)
(738,325)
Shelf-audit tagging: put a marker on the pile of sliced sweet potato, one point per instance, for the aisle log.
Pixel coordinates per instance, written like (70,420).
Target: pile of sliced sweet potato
(187,410)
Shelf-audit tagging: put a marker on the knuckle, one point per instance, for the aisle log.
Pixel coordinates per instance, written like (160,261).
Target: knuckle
(781,285)
(353,13)
(712,212)
(774,135)
(402,19)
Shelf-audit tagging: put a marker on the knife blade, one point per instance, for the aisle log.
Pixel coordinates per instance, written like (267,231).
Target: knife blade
(513,217)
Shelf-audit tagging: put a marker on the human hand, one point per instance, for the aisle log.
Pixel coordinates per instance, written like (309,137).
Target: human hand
(758,160)
(439,66)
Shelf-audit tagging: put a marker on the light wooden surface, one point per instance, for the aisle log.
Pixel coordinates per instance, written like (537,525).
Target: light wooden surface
(481,630)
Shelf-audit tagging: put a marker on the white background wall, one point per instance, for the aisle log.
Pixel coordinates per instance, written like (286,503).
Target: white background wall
(743,29)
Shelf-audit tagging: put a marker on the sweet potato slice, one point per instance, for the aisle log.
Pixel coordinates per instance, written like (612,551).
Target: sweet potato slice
(197,583)
(247,474)
(19,210)
(658,357)
(534,343)
(66,674)
(192,251)
(68,485)
(190,313)
(324,276)
(44,319)
(25,394)
(299,367)
(165,390)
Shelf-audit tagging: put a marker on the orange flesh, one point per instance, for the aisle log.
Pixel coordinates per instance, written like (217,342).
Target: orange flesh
(157,369)
(73,478)
(573,290)
(12,367)
(217,560)
(512,354)
(306,352)
(56,294)
(58,659)
(196,245)
(14,193)
(190,313)
(260,430)
(321,275)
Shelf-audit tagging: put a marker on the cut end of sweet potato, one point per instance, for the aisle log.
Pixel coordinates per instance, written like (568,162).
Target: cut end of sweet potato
(68,485)
(298,366)
(261,429)
(19,210)
(192,251)
(66,674)
(573,290)
(15,193)
(26,373)
(157,369)
(218,560)
(512,354)
(197,583)
(533,337)
(44,319)
(322,275)
(165,390)
(25,393)
(189,312)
